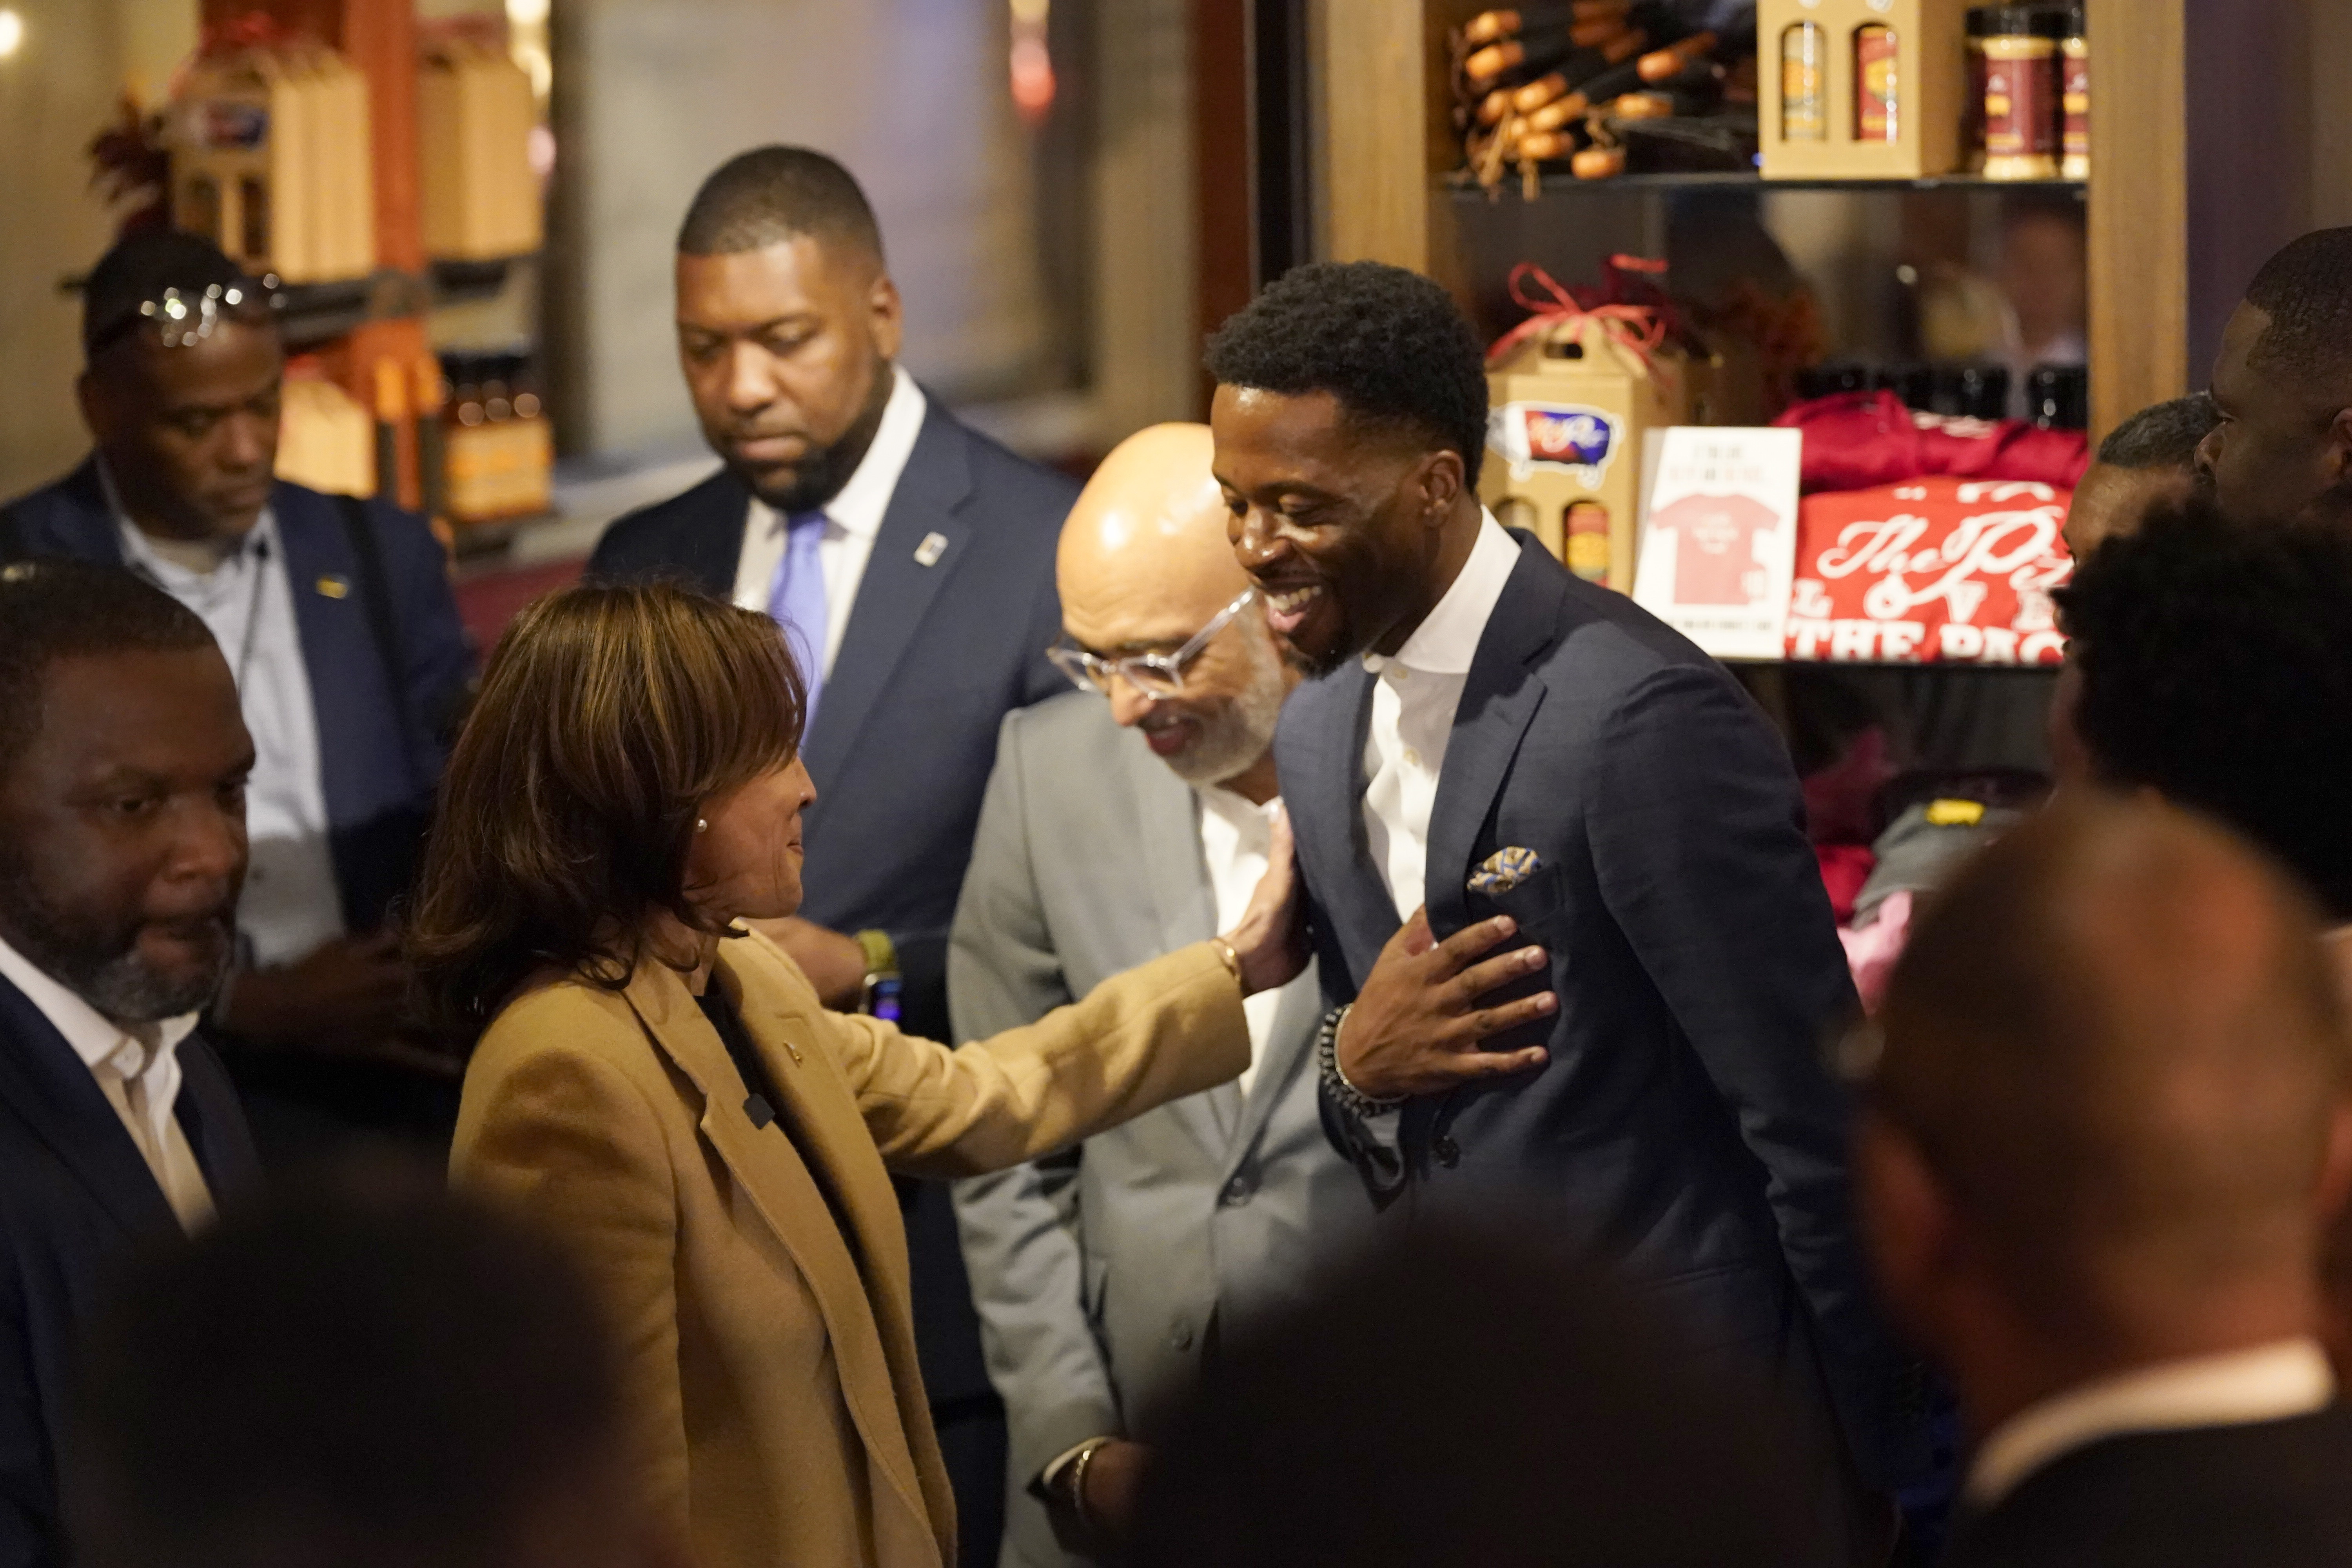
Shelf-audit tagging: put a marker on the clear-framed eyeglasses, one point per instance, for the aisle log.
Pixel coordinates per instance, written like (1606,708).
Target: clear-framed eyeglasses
(1155,675)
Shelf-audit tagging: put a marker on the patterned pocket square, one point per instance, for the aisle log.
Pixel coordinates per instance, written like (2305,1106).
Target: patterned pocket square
(1503,870)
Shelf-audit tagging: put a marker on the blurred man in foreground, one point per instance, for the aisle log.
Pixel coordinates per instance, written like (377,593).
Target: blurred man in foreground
(1467,1398)
(1123,820)
(2104,1127)
(122,773)
(355,1382)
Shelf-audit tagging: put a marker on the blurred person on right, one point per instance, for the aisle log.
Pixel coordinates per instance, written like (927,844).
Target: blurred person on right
(2282,386)
(2149,458)
(2105,1120)
(2213,665)
(354,1379)
(1468,1398)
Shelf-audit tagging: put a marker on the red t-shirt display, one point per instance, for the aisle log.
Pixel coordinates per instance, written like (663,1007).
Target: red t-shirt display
(1715,547)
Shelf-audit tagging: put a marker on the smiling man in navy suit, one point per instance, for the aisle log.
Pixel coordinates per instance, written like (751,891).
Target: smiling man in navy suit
(910,561)
(123,763)
(1489,734)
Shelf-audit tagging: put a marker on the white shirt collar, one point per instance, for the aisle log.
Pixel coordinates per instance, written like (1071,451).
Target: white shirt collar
(1448,638)
(2268,1383)
(860,506)
(96,1038)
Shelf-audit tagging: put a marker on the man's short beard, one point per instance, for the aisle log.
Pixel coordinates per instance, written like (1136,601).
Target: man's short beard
(1233,739)
(821,476)
(98,964)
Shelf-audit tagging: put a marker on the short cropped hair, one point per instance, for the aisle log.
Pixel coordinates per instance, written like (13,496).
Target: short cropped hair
(2163,434)
(771,194)
(57,609)
(366,1381)
(1390,345)
(2306,291)
(2216,667)
(610,714)
(140,268)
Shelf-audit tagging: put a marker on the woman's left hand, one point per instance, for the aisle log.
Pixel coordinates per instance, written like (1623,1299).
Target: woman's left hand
(1271,939)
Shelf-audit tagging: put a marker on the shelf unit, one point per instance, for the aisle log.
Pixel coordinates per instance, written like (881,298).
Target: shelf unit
(1387,190)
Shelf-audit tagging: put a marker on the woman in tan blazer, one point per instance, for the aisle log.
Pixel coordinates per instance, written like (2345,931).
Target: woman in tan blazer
(665,1090)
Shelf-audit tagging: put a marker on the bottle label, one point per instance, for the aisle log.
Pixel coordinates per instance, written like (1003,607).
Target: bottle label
(1804,116)
(2077,98)
(1877,86)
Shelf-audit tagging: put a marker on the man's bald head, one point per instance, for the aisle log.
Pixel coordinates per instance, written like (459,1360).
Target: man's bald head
(1145,565)
(2114,1045)
(1151,523)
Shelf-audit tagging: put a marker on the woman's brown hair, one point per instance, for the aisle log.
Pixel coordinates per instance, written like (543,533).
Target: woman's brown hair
(609,716)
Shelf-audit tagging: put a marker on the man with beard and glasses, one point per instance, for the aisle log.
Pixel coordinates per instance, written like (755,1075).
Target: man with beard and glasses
(1125,819)
(123,761)
(1487,733)
(911,561)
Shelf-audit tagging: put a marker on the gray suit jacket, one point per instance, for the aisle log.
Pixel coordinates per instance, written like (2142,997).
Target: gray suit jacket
(1098,1275)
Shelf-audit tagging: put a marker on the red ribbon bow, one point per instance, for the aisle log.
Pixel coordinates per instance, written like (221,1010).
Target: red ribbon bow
(1639,330)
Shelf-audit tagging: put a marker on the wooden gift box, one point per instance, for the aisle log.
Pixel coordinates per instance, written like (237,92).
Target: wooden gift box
(1569,409)
(1931,90)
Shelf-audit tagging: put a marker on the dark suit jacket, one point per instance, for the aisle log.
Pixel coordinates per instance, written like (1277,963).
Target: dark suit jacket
(2270,1495)
(1686,1119)
(75,1199)
(379,754)
(931,661)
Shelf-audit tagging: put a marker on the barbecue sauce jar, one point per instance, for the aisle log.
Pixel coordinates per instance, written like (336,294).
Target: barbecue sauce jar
(2020,94)
(2074,84)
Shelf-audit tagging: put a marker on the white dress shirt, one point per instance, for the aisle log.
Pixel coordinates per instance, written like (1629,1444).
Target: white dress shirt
(1414,695)
(1237,835)
(244,596)
(138,1070)
(2269,1382)
(852,518)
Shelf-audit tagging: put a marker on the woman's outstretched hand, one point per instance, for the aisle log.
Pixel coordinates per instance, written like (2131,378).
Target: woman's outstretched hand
(1270,940)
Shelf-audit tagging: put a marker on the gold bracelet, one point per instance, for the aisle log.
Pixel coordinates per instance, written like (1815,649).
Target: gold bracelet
(1231,960)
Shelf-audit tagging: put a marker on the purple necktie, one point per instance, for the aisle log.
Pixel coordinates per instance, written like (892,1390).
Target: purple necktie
(797,602)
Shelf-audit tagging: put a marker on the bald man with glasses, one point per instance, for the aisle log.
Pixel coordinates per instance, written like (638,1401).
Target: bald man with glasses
(1123,820)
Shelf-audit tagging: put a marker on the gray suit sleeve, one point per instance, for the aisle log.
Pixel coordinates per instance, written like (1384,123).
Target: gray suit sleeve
(1697,843)
(1020,1227)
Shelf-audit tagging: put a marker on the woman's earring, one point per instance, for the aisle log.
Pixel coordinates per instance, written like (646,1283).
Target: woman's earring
(702,825)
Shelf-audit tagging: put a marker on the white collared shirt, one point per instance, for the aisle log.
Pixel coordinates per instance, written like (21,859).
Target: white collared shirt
(852,518)
(1236,836)
(2268,1383)
(138,1070)
(291,906)
(1414,693)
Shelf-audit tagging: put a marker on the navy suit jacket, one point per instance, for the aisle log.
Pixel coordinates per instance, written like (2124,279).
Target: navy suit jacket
(380,750)
(75,1200)
(1686,1123)
(931,661)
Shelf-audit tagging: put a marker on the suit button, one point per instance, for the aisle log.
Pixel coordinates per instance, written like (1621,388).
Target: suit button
(1448,1153)
(1182,1339)
(1237,1192)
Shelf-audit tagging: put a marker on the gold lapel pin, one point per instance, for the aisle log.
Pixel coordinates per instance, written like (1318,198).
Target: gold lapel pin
(928,552)
(335,588)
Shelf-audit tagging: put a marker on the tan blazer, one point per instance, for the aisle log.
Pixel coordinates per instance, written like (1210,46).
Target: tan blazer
(758,1276)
